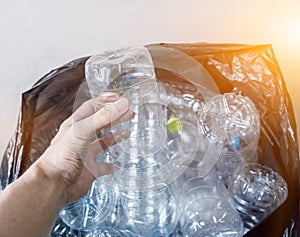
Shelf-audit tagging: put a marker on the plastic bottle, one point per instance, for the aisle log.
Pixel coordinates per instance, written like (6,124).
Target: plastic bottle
(111,232)
(257,191)
(65,231)
(207,209)
(235,118)
(152,212)
(130,73)
(90,211)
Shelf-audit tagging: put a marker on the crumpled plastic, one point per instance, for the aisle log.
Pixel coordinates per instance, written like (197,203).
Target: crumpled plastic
(252,71)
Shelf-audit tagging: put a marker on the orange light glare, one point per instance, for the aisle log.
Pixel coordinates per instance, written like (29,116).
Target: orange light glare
(289,30)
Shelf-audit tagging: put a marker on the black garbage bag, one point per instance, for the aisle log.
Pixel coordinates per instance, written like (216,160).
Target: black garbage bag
(252,71)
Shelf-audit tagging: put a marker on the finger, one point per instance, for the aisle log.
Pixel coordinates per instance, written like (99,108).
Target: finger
(129,115)
(93,105)
(90,107)
(104,117)
(99,169)
(103,143)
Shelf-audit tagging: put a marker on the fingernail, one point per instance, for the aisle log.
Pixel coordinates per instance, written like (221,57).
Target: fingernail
(122,104)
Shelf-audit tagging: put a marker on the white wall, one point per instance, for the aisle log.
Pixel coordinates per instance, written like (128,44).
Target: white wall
(37,36)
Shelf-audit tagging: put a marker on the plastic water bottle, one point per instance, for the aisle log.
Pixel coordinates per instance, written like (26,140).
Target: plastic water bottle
(111,232)
(151,213)
(130,73)
(99,232)
(90,211)
(257,191)
(235,118)
(162,167)
(60,229)
(177,232)
(207,208)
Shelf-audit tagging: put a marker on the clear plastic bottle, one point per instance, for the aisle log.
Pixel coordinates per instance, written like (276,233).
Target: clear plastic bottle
(99,232)
(164,166)
(60,229)
(111,232)
(152,212)
(90,211)
(207,209)
(177,232)
(123,70)
(235,118)
(130,73)
(257,191)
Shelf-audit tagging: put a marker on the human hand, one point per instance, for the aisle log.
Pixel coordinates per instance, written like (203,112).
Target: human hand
(64,159)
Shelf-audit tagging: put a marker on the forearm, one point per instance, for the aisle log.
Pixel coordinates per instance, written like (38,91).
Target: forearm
(30,205)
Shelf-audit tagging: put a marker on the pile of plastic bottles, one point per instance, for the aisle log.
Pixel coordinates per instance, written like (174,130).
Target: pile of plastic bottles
(184,170)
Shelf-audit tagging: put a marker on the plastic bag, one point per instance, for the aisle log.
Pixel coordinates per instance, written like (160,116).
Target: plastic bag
(252,71)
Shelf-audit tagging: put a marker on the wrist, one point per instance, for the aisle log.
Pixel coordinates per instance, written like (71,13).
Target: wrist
(34,199)
(50,178)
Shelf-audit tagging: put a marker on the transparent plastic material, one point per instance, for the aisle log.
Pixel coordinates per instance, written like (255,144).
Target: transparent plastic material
(235,118)
(114,222)
(251,70)
(112,232)
(63,231)
(186,67)
(130,73)
(151,212)
(90,211)
(142,160)
(120,70)
(207,208)
(257,191)
(166,165)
